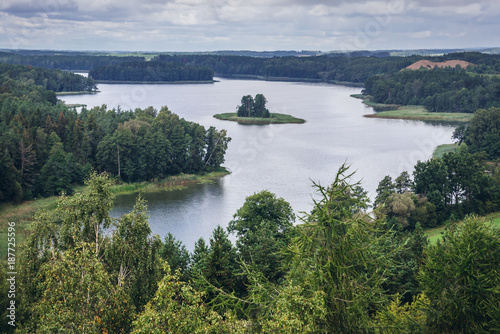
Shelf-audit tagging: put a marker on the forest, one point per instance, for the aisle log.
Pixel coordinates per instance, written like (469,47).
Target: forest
(346,266)
(152,71)
(71,61)
(319,68)
(342,269)
(47,147)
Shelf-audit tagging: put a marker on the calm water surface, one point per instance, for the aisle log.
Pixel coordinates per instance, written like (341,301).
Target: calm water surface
(280,158)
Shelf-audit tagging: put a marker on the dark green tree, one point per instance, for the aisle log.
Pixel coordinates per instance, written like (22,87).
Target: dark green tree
(263,227)
(384,190)
(483,132)
(259,107)
(460,277)
(175,253)
(55,174)
(246,107)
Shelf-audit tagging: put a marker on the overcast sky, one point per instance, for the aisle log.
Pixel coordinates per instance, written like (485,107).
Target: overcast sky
(206,25)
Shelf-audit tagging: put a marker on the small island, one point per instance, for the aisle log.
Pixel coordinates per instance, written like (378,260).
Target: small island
(254,111)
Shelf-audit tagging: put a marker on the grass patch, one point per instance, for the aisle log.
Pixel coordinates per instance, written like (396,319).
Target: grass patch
(417,113)
(435,234)
(24,213)
(170,183)
(274,119)
(443,149)
(82,92)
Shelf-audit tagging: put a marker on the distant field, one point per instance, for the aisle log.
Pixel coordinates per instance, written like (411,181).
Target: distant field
(435,234)
(442,149)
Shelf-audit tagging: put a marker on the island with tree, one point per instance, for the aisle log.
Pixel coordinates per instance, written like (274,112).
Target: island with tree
(253,111)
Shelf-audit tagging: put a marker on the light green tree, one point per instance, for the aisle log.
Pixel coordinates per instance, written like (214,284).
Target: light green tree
(178,308)
(336,265)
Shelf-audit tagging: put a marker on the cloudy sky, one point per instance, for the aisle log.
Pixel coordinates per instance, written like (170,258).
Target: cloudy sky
(205,25)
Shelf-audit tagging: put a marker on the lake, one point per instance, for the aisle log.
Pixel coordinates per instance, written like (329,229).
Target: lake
(280,158)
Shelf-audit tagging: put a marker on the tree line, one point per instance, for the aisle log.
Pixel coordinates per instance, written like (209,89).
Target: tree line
(151,71)
(72,61)
(50,80)
(46,147)
(319,68)
(354,67)
(340,270)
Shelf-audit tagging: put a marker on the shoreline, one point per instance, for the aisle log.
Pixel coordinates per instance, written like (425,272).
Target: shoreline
(124,82)
(23,214)
(286,79)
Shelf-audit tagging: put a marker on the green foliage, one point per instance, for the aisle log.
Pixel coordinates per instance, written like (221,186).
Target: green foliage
(483,132)
(77,296)
(337,254)
(133,257)
(326,68)
(455,184)
(175,253)
(251,107)
(401,317)
(439,90)
(178,308)
(263,226)
(50,80)
(46,148)
(460,278)
(68,255)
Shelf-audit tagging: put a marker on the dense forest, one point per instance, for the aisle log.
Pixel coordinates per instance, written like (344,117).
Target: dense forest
(70,61)
(342,270)
(50,80)
(152,71)
(47,147)
(319,68)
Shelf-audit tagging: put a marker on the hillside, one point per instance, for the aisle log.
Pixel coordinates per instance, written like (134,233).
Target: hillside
(431,64)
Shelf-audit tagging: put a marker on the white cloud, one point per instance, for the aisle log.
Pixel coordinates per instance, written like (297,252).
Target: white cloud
(421,34)
(254,24)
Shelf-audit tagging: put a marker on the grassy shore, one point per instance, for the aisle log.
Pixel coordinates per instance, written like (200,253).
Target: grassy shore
(435,234)
(442,149)
(81,92)
(274,119)
(417,113)
(23,214)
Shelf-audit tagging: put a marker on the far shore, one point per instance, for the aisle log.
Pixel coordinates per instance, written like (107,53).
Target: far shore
(121,82)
